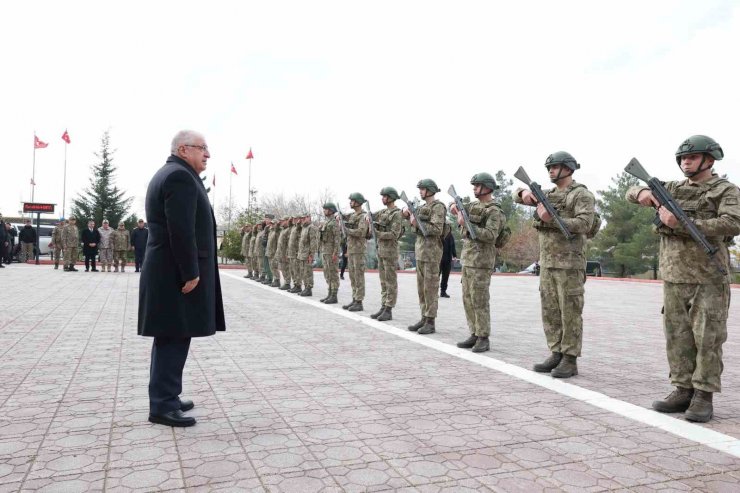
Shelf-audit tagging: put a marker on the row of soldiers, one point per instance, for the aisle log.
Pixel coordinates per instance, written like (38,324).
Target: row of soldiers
(696,293)
(111,244)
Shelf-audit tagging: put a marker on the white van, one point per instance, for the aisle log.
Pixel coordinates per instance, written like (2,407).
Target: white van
(44,234)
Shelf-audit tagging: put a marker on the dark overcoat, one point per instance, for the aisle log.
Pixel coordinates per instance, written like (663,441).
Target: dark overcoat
(181,247)
(90,237)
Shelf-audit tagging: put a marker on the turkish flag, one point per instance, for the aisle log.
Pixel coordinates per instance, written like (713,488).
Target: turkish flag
(249,154)
(65,137)
(233,169)
(38,144)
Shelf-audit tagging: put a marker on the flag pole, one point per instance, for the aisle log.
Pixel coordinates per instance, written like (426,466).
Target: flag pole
(249,191)
(33,170)
(230,173)
(64,182)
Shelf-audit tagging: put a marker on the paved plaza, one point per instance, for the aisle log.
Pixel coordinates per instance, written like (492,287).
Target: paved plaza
(298,396)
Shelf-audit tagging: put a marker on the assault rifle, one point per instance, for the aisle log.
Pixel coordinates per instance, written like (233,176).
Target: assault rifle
(372,223)
(340,219)
(665,199)
(412,210)
(539,195)
(461,209)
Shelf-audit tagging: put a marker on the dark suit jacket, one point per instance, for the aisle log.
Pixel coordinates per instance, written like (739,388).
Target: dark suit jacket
(88,237)
(181,247)
(448,249)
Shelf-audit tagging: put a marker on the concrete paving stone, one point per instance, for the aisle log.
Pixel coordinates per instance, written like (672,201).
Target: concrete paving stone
(49,464)
(163,476)
(372,476)
(254,441)
(14,469)
(278,461)
(92,481)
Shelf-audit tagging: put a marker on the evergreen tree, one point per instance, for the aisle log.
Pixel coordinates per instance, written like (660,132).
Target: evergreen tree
(102,199)
(627,244)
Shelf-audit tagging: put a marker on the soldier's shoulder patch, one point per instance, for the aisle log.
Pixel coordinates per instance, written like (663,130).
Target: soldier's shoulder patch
(731,201)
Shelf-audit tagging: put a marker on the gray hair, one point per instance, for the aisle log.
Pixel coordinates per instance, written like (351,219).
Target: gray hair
(183,137)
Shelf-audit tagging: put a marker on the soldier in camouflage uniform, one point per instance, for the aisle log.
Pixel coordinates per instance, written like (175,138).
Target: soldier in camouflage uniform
(253,271)
(121,241)
(308,245)
(246,234)
(271,252)
(106,247)
(295,267)
(282,252)
(696,295)
(259,250)
(70,244)
(329,237)
(357,230)
(479,257)
(432,213)
(56,240)
(562,263)
(264,260)
(388,229)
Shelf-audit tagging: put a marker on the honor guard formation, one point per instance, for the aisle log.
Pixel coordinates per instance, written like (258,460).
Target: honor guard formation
(696,219)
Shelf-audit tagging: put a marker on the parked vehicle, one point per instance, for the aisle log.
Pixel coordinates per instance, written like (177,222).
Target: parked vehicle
(44,235)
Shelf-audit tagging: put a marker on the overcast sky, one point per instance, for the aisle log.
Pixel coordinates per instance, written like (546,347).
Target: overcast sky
(354,96)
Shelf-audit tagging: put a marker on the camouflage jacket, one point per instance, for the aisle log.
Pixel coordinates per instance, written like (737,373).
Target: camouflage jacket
(295,236)
(245,244)
(272,240)
(329,237)
(308,244)
(251,251)
(388,229)
(259,244)
(577,206)
(56,236)
(70,237)
(105,234)
(433,215)
(486,220)
(121,240)
(356,233)
(282,246)
(714,207)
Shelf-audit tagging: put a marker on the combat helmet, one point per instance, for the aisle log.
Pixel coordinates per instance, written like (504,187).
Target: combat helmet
(331,206)
(357,197)
(699,144)
(391,192)
(485,179)
(429,184)
(564,158)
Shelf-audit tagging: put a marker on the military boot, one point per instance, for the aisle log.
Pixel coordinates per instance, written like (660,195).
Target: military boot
(116,269)
(482,345)
(72,268)
(386,315)
(332,299)
(328,294)
(296,289)
(64,267)
(428,327)
(418,325)
(56,265)
(285,287)
(307,292)
(549,364)
(469,342)
(377,314)
(356,307)
(566,368)
(275,283)
(701,408)
(123,268)
(346,307)
(676,402)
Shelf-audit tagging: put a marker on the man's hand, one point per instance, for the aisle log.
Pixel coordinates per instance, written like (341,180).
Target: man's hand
(528,198)
(453,208)
(647,199)
(334,257)
(405,212)
(190,285)
(92,245)
(310,259)
(413,221)
(543,214)
(460,219)
(667,217)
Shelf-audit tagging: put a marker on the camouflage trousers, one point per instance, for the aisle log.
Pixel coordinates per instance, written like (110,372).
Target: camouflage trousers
(306,272)
(119,258)
(331,271)
(266,267)
(695,325)
(106,256)
(26,252)
(356,267)
(427,285)
(256,266)
(70,256)
(58,255)
(476,300)
(561,296)
(296,272)
(285,269)
(274,268)
(388,281)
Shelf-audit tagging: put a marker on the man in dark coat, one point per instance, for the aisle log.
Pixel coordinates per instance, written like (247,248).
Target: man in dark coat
(4,243)
(139,237)
(179,288)
(445,265)
(90,241)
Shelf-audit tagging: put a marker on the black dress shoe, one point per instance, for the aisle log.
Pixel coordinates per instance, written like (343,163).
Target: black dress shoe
(172,418)
(186,405)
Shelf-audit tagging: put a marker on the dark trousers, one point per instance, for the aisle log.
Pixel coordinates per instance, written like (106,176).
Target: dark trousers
(90,259)
(165,373)
(342,265)
(139,257)
(444,270)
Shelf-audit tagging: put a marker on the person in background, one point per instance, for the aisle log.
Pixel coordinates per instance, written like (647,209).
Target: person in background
(139,237)
(445,265)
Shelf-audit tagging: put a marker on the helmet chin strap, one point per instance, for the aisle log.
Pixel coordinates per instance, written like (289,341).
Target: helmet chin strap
(481,194)
(689,174)
(560,173)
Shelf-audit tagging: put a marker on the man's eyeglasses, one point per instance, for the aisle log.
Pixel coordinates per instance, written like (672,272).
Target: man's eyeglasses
(203,148)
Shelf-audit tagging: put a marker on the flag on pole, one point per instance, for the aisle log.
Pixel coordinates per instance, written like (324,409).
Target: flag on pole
(249,154)
(233,169)
(65,136)
(38,144)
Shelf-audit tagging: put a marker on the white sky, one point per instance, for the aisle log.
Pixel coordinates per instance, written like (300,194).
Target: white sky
(355,96)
